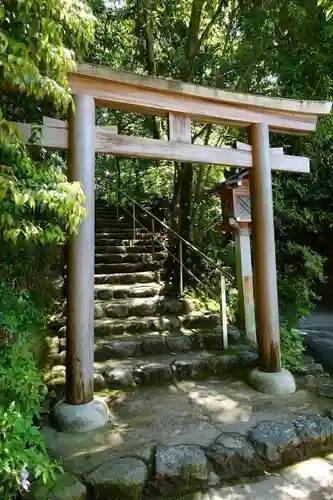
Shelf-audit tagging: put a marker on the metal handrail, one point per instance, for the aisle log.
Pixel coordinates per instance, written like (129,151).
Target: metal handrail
(223,273)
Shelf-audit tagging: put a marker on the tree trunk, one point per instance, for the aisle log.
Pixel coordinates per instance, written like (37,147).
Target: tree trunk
(147,27)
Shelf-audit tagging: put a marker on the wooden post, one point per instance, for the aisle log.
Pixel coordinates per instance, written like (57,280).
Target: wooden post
(263,242)
(80,306)
(245,283)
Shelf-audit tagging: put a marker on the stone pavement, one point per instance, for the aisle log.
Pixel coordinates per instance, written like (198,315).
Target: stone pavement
(308,480)
(318,337)
(197,435)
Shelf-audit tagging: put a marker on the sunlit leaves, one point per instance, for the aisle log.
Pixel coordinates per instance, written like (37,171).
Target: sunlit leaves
(328,7)
(38,44)
(34,39)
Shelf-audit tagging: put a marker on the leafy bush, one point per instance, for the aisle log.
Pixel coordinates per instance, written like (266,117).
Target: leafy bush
(36,201)
(291,349)
(299,270)
(23,455)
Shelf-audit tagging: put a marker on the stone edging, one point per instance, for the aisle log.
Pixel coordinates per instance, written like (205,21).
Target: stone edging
(189,467)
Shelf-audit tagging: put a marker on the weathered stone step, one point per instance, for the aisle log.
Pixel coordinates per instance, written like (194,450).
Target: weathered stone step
(151,343)
(109,212)
(103,215)
(107,292)
(132,372)
(113,258)
(124,308)
(126,249)
(136,324)
(126,232)
(142,235)
(155,343)
(126,267)
(127,278)
(103,241)
(113,223)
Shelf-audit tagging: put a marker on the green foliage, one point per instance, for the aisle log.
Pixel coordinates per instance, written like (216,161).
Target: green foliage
(22,451)
(39,40)
(35,38)
(201,299)
(328,7)
(36,201)
(292,349)
(22,448)
(300,269)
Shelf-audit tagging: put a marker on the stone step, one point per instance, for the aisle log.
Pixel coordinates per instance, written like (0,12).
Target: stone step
(126,249)
(101,241)
(154,343)
(127,267)
(105,216)
(107,292)
(114,223)
(127,278)
(142,235)
(124,308)
(113,258)
(159,369)
(126,232)
(139,324)
(151,343)
(111,213)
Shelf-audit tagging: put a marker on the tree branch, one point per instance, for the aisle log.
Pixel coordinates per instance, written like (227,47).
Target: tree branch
(211,23)
(200,132)
(192,38)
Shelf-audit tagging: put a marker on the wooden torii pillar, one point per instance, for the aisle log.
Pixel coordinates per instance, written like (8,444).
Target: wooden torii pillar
(181,103)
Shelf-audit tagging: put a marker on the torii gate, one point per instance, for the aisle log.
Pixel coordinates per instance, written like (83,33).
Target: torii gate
(181,102)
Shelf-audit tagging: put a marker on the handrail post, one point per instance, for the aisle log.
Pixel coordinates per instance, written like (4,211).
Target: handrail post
(181,276)
(223,312)
(153,238)
(118,187)
(133,215)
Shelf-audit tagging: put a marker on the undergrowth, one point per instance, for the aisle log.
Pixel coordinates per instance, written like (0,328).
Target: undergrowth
(292,349)
(23,455)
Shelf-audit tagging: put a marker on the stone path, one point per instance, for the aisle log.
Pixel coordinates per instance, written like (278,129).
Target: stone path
(141,334)
(197,435)
(308,480)
(318,337)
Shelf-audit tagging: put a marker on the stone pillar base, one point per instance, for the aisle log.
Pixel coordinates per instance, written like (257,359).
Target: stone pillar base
(80,418)
(272,383)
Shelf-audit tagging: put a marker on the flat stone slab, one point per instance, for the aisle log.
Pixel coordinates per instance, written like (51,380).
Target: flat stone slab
(119,479)
(232,455)
(325,390)
(312,475)
(264,488)
(180,465)
(152,373)
(274,441)
(65,487)
(315,431)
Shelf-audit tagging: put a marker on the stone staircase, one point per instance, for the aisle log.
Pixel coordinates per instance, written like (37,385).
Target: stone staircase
(143,336)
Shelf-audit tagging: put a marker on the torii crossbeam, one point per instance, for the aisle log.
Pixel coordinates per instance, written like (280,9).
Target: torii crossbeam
(181,102)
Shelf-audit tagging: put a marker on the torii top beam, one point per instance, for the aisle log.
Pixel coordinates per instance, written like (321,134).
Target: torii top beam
(154,96)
